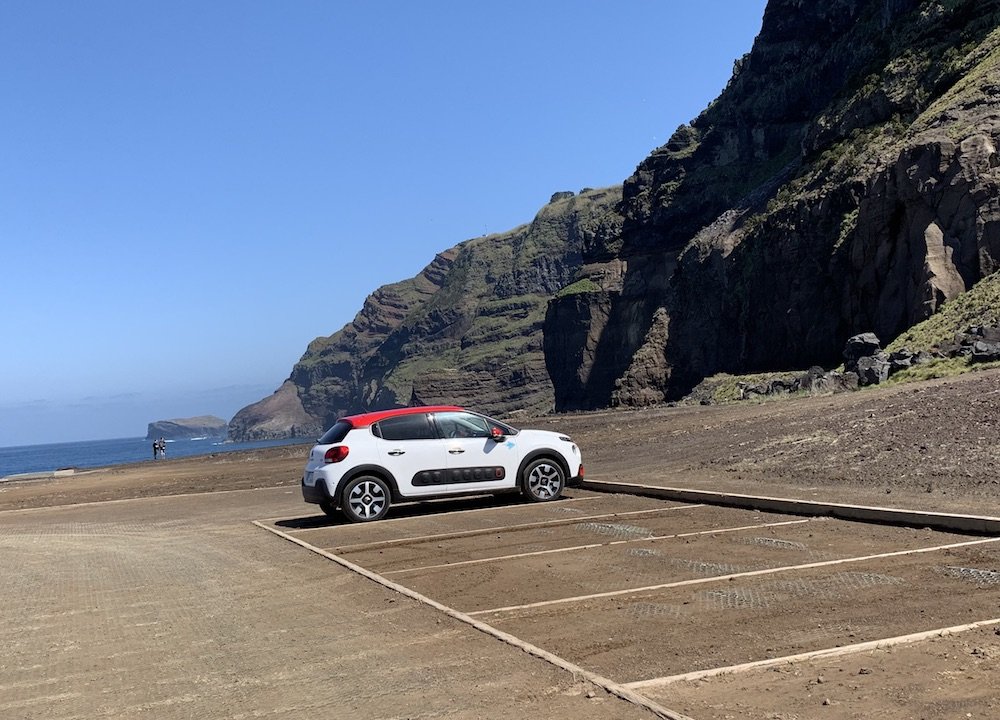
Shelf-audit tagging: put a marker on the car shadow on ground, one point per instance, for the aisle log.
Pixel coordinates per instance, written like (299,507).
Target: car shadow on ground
(416,509)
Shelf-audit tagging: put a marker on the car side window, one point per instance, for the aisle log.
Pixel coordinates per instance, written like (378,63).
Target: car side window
(461,425)
(406,427)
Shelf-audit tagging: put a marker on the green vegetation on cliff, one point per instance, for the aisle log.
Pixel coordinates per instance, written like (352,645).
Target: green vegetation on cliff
(467,329)
(978,306)
(845,181)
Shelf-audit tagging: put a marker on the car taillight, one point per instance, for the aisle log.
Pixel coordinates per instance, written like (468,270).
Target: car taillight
(336,454)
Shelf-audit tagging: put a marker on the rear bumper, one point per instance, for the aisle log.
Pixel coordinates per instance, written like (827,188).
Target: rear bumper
(314,493)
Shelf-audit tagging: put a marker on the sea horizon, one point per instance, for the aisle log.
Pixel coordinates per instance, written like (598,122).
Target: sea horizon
(89,454)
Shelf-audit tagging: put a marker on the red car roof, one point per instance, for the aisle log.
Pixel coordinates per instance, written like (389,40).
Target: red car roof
(366,419)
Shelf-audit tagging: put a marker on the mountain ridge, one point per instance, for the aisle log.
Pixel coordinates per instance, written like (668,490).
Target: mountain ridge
(466,329)
(846,180)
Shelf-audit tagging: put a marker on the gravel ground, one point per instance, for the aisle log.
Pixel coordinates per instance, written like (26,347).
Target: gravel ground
(174,606)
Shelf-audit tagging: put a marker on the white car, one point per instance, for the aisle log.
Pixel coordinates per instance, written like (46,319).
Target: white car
(366,462)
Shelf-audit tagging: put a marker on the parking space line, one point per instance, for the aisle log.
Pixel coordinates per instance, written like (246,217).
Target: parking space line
(813,655)
(652,538)
(503,528)
(610,686)
(426,503)
(732,576)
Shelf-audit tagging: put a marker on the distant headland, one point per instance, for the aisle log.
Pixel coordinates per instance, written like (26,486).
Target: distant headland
(203,426)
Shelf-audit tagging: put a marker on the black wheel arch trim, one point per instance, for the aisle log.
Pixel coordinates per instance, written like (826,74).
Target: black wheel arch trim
(377,470)
(538,455)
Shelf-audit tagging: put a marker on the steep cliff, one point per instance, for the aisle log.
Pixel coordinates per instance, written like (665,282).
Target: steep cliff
(846,180)
(277,416)
(467,329)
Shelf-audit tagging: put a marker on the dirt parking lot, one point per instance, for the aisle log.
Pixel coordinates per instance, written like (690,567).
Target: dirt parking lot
(147,591)
(645,592)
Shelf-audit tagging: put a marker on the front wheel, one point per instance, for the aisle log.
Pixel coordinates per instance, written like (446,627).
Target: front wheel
(543,480)
(365,499)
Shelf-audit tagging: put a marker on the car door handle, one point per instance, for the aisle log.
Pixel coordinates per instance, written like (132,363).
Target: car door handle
(456,451)
(397,452)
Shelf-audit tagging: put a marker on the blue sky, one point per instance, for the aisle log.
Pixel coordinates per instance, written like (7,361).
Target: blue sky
(190,192)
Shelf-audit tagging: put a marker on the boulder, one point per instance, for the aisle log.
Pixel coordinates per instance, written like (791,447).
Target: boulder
(873,369)
(901,359)
(818,380)
(860,346)
(985,351)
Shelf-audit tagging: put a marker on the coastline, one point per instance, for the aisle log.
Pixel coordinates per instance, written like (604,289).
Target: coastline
(45,475)
(54,460)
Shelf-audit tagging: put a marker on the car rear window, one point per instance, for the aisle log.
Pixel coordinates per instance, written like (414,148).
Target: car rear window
(406,427)
(336,434)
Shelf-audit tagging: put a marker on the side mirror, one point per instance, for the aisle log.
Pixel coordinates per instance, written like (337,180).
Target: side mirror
(496,434)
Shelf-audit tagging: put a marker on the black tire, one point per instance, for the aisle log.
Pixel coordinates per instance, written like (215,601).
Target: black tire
(329,509)
(543,480)
(365,499)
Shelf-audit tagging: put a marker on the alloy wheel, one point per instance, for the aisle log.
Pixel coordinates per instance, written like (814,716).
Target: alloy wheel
(367,499)
(545,481)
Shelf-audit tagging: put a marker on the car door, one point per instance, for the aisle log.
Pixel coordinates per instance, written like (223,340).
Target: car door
(409,448)
(475,460)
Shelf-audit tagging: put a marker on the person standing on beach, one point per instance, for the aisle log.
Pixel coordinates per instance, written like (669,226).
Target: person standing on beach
(163,448)
(156,449)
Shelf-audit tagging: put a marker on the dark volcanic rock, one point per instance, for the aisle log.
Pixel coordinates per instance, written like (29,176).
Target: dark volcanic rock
(873,369)
(186,428)
(846,180)
(985,351)
(860,346)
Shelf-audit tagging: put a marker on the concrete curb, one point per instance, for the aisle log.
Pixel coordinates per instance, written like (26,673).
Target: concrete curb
(978,524)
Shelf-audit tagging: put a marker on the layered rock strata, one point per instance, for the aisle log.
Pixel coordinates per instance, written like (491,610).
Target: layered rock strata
(846,180)
(466,330)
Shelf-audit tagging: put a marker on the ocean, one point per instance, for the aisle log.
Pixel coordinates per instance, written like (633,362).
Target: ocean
(104,453)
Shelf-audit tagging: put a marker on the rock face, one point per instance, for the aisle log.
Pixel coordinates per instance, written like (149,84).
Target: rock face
(845,181)
(466,330)
(278,416)
(186,428)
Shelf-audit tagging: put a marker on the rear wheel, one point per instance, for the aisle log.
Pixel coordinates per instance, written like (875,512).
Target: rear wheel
(543,480)
(365,498)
